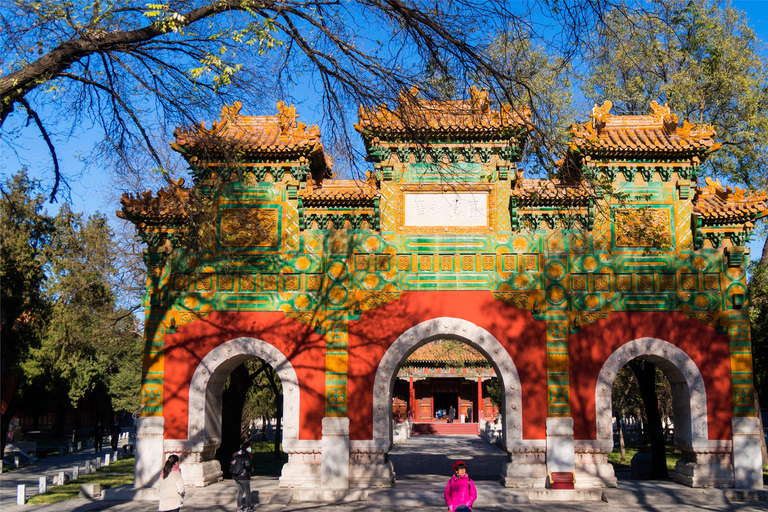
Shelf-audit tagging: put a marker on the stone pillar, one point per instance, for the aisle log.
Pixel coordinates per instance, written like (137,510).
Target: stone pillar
(560,448)
(334,461)
(149,451)
(747,458)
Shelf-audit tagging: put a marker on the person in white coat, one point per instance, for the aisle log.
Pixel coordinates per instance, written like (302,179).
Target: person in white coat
(171,486)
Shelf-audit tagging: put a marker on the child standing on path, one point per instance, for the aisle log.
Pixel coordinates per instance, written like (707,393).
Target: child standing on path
(460,492)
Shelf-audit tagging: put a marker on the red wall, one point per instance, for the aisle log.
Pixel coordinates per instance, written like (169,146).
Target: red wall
(596,342)
(518,333)
(377,329)
(190,344)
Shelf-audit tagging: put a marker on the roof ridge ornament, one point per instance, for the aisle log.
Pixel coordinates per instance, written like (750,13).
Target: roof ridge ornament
(287,118)
(601,114)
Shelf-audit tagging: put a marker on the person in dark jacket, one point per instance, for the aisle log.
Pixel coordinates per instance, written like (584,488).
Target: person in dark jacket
(114,433)
(241,473)
(98,437)
(451,414)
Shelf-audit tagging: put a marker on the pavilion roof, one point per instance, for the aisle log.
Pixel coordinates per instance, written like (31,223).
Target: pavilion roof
(273,137)
(471,119)
(446,351)
(339,192)
(170,207)
(546,192)
(657,134)
(718,204)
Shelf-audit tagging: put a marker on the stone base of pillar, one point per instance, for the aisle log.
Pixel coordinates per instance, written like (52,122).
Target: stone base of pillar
(592,468)
(747,458)
(149,451)
(694,474)
(198,463)
(369,465)
(589,476)
(705,464)
(372,475)
(527,467)
(300,475)
(529,476)
(200,474)
(303,467)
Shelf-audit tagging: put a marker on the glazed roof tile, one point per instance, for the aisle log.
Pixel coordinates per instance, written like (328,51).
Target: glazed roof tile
(446,351)
(552,191)
(168,207)
(658,133)
(472,117)
(716,203)
(276,135)
(334,192)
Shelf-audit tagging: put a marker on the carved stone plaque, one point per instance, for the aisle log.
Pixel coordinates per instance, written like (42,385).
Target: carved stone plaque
(446,209)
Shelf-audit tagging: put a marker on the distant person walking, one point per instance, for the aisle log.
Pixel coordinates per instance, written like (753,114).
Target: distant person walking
(114,435)
(171,486)
(469,414)
(460,492)
(240,468)
(98,437)
(451,414)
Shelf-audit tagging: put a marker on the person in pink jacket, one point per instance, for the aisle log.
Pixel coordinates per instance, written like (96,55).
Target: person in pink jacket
(460,492)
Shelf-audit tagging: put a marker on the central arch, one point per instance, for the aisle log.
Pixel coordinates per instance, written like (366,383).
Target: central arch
(459,330)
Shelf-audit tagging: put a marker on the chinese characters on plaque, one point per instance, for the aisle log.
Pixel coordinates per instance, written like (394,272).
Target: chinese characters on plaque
(446,209)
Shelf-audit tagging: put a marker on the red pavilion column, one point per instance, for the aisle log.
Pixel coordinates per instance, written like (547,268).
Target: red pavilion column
(412,399)
(479,399)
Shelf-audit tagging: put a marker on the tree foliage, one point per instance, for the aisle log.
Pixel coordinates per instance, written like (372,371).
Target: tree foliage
(64,337)
(136,69)
(702,59)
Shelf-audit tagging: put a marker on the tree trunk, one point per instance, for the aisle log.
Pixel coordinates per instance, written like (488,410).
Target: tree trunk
(232,402)
(645,373)
(622,447)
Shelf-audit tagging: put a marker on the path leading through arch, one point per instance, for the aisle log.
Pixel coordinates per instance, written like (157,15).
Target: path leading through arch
(431,458)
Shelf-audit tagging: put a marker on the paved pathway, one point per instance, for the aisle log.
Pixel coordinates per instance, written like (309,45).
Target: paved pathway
(48,467)
(423,465)
(424,456)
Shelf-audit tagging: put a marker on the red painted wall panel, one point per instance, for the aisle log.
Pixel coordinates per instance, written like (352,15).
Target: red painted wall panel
(371,336)
(190,344)
(596,342)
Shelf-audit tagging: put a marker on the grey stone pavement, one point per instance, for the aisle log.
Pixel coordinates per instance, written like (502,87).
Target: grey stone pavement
(423,465)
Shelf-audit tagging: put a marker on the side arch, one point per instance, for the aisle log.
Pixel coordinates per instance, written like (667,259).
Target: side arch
(688,392)
(456,329)
(211,374)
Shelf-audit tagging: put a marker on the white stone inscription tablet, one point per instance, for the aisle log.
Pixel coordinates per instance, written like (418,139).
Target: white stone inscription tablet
(446,209)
